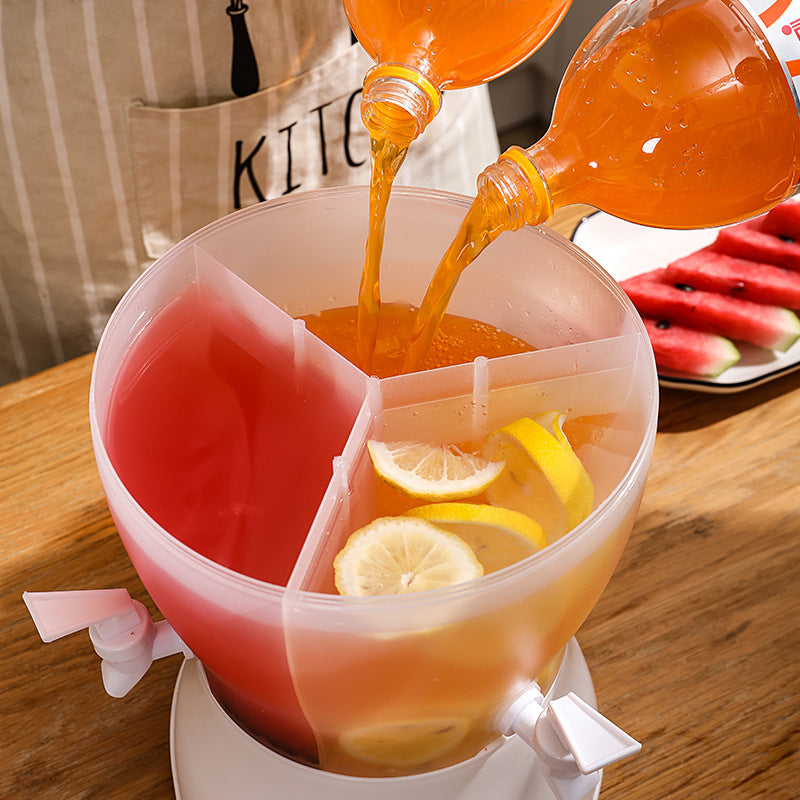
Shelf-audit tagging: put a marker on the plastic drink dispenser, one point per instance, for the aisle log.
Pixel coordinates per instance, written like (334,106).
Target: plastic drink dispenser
(375,697)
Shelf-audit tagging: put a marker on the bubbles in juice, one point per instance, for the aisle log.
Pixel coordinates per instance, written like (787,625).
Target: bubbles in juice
(484,222)
(458,340)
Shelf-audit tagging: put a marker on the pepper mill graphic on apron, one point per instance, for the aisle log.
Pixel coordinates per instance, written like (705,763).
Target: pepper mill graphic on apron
(244,67)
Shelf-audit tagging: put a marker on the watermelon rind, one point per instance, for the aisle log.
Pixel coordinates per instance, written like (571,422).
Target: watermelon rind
(792,331)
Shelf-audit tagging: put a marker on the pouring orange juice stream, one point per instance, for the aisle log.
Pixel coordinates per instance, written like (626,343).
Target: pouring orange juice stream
(421,48)
(659,114)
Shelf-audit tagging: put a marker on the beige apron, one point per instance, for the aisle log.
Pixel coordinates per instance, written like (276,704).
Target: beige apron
(194,165)
(120,134)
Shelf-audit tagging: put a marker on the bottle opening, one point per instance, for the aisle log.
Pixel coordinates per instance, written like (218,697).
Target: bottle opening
(520,185)
(398,102)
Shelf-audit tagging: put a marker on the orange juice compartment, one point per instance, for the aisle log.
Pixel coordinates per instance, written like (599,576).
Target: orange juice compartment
(444,660)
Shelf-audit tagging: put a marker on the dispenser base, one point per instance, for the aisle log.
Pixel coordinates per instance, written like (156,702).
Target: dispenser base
(213,757)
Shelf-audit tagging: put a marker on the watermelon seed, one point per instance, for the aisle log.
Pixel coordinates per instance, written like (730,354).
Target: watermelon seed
(738,286)
(786,239)
(684,287)
(663,324)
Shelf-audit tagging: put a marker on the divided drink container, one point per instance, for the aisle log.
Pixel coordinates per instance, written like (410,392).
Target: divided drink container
(358,686)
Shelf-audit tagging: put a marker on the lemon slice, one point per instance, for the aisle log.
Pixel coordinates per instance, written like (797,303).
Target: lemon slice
(397,555)
(498,536)
(431,471)
(553,422)
(543,477)
(405,744)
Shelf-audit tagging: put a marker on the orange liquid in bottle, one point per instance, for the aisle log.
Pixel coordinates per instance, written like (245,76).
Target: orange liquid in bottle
(703,128)
(456,44)
(684,120)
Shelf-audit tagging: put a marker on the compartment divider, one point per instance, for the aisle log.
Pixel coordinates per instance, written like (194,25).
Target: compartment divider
(333,521)
(299,354)
(480,397)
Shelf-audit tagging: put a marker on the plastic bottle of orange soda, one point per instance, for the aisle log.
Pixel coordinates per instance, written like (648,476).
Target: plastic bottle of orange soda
(421,48)
(672,113)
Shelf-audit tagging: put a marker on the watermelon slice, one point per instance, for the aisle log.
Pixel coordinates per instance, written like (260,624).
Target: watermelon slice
(683,349)
(782,221)
(747,240)
(738,277)
(768,326)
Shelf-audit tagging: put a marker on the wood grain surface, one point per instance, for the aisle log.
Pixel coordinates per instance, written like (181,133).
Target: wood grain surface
(694,648)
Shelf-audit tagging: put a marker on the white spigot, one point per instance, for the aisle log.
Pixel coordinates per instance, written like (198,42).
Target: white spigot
(573,740)
(123,635)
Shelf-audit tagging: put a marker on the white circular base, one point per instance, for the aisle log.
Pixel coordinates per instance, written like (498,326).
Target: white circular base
(212,757)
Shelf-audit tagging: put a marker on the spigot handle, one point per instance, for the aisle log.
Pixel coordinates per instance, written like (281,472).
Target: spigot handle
(58,614)
(573,740)
(594,740)
(123,635)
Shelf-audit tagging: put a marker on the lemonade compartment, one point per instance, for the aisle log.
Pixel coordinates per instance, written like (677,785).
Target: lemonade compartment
(419,678)
(330,680)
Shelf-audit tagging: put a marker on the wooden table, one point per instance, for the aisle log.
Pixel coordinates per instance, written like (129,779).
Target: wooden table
(694,648)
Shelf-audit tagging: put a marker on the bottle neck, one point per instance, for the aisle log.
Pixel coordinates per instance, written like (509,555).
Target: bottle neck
(516,190)
(398,103)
